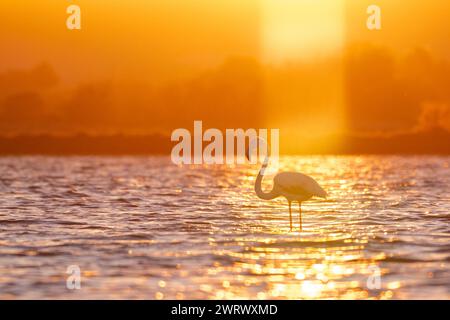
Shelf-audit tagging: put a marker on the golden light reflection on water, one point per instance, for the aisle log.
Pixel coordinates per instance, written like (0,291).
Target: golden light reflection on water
(330,258)
(213,238)
(305,272)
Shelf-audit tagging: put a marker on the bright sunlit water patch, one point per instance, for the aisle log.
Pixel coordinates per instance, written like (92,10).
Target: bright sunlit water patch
(140,227)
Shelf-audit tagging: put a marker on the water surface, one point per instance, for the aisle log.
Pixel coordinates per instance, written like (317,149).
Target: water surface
(143,228)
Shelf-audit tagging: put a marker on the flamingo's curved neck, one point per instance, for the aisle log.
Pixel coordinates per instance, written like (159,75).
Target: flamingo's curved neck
(258,183)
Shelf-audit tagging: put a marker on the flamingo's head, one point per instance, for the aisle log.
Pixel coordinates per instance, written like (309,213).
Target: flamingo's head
(247,153)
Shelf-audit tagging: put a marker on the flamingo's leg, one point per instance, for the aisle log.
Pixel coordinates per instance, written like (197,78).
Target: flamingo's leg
(300,214)
(290,215)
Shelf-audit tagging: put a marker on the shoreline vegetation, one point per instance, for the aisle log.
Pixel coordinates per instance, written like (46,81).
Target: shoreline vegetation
(432,142)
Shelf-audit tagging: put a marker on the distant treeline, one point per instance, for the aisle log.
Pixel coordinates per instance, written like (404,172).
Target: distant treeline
(430,142)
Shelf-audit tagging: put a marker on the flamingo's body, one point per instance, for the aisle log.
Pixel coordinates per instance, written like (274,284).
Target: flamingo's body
(294,186)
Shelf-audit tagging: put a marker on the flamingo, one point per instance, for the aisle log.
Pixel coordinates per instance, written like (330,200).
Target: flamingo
(294,186)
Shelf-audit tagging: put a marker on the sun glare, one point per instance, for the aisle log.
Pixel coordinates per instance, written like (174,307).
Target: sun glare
(304,38)
(300,29)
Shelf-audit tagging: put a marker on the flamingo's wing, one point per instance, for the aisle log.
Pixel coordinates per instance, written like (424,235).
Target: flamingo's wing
(298,183)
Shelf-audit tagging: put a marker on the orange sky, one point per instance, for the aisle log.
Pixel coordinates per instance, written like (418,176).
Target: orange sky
(163,36)
(148,40)
(306,67)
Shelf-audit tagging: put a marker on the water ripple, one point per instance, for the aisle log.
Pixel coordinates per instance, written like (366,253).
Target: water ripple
(141,227)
